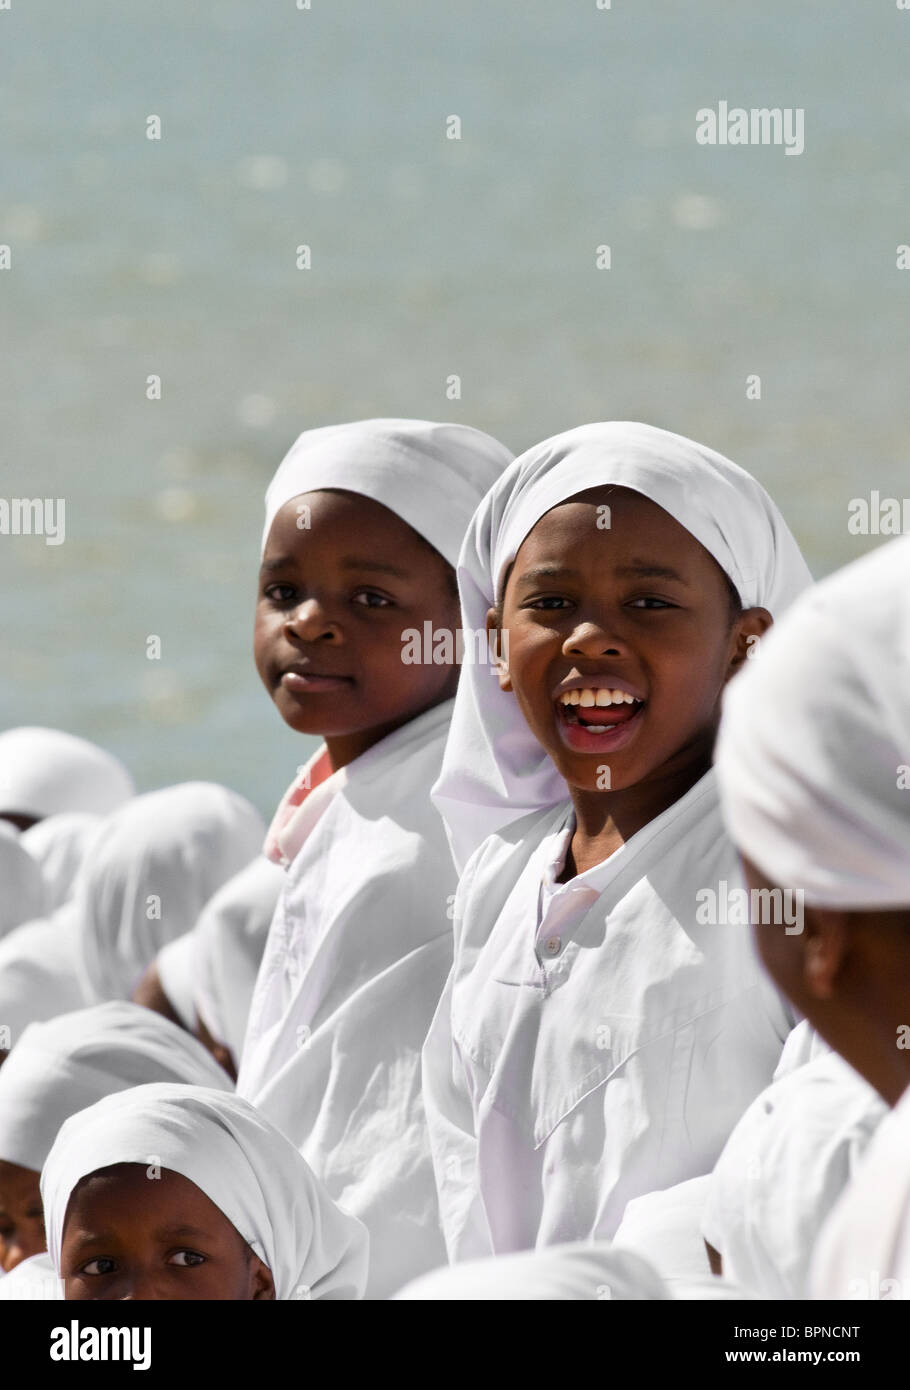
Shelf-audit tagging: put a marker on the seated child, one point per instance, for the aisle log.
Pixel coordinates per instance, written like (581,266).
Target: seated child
(60,1067)
(46,771)
(354,641)
(180,1192)
(814,765)
(604,1024)
(146,879)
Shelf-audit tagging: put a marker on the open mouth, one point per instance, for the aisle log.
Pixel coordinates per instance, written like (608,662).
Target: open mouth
(596,719)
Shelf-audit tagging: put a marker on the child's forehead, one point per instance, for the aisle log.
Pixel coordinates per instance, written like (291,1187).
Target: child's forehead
(607,518)
(337,518)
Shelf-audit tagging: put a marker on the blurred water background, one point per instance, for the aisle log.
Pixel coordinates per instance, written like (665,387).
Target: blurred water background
(430,257)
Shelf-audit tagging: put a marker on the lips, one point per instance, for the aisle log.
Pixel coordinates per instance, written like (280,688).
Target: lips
(594,718)
(299,680)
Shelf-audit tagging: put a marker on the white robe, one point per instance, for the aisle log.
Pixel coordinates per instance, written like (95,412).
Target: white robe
(782,1170)
(863,1250)
(560,1083)
(356,959)
(59,844)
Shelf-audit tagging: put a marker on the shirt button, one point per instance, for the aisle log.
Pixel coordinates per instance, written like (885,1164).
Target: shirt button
(552,945)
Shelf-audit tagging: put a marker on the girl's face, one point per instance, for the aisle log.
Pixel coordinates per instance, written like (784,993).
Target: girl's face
(129,1236)
(335,596)
(640,610)
(21,1215)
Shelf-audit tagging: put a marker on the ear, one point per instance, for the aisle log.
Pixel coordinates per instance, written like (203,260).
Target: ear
(262,1285)
(498,649)
(827,944)
(745,638)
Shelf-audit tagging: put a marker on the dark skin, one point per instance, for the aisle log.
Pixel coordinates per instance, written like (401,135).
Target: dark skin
(19,821)
(640,604)
(848,973)
(128,1237)
(223,1055)
(21,1215)
(150,994)
(333,602)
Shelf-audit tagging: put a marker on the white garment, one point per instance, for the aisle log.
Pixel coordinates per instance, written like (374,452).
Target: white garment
(176,965)
(665,1229)
(782,1170)
(604,1055)
(230,939)
(242,1164)
(161,858)
(23,891)
(863,1250)
(578,1272)
(819,798)
(355,962)
(65,1065)
(45,771)
(494,770)
(59,844)
(431,475)
(38,974)
(30,1280)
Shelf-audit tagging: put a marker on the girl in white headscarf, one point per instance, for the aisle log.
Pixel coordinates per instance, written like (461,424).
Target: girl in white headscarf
(24,893)
(145,882)
(355,640)
(46,771)
(814,768)
(603,1026)
(140,1164)
(59,844)
(61,1067)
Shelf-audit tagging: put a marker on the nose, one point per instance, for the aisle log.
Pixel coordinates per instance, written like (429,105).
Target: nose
(309,622)
(594,639)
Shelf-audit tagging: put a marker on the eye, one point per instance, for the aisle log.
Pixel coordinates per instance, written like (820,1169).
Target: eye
(650,601)
(279,593)
(371,598)
(93,1266)
(550,603)
(186,1259)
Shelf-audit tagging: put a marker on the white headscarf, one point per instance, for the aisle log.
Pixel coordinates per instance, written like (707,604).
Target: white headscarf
(45,771)
(431,475)
(813,758)
(230,938)
(23,891)
(60,1067)
(238,1159)
(161,858)
(38,973)
(59,844)
(573,1273)
(494,769)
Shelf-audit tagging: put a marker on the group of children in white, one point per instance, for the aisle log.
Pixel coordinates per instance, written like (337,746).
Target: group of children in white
(455,1027)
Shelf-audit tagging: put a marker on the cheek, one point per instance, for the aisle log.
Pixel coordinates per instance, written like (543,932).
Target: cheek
(781,956)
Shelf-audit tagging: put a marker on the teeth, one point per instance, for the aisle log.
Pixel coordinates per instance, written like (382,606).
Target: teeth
(596,695)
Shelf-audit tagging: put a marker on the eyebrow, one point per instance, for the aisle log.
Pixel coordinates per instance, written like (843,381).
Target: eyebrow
(350,562)
(637,569)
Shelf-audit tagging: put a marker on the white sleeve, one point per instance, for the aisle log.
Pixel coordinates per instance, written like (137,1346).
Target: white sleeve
(449,1107)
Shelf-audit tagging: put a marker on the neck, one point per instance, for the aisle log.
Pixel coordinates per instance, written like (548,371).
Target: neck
(606,820)
(344,748)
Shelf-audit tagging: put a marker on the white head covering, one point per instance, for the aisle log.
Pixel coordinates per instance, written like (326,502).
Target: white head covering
(494,769)
(23,891)
(238,1159)
(815,734)
(45,771)
(60,1067)
(431,475)
(230,939)
(59,844)
(574,1273)
(161,858)
(38,974)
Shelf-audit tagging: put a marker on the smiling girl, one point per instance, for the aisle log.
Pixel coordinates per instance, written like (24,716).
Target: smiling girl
(597,1040)
(363,526)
